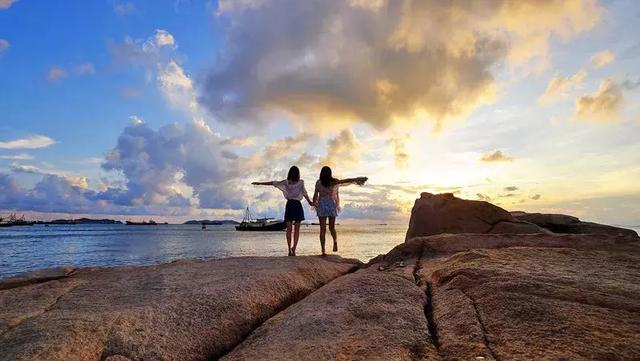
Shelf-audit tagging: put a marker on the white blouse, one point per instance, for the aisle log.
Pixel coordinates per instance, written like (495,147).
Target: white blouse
(295,191)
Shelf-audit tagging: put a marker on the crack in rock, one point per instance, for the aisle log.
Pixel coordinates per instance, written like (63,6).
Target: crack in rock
(482,326)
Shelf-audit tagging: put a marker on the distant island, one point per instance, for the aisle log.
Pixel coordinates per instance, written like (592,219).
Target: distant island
(80,221)
(211,222)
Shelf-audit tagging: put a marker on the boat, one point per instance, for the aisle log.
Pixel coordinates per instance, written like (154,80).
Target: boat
(143,223)
(14,221)
(260,224)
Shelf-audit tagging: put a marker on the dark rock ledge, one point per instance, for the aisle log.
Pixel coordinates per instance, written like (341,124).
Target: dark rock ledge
(472,282)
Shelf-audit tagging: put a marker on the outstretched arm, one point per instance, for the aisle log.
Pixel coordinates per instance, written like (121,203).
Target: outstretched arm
(262,183)
(359,181)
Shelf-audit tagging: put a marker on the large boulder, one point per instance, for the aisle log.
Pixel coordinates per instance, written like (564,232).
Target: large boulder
(528,297)
(367,315)
(445,213)
(561,223)
(185,310)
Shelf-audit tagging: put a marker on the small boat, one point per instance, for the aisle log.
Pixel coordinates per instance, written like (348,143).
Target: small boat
(260,224)
(143,223)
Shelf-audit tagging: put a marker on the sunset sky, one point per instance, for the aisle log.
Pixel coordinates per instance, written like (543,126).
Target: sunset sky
(169,109)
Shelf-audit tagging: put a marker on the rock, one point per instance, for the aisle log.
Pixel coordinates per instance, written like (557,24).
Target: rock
(188,310)
(444,213)
(37,277)
(529,297)
(561,223)
(367,315)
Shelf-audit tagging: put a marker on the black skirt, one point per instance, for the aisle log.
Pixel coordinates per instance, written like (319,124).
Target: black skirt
(293,212)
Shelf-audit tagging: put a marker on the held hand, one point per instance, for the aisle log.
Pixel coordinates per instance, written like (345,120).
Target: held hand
(361,180)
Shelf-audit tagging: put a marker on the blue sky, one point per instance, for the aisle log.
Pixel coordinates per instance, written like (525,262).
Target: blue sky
(170,108)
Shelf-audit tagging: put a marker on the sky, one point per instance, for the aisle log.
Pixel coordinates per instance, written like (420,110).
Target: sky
(169,109)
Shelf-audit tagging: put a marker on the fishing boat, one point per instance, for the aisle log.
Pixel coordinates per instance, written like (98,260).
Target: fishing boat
(143,223)
(260,224)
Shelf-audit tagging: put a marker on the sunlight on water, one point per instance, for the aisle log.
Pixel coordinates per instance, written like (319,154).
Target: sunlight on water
(30,248)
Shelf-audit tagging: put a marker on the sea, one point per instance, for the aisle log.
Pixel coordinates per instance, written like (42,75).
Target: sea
(29,248)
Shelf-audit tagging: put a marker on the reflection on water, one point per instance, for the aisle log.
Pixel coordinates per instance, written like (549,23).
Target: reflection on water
(29,248)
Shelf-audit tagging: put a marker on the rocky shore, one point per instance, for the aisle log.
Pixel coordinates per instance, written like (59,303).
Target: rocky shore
(471,282)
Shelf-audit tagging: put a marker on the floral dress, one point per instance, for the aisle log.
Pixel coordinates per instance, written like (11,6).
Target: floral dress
(329,200)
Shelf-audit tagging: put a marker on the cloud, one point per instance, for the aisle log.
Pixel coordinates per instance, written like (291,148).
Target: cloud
(5,4)
(408,60)
(535,197)
(85,69)
(21,156)
(147,52)
(4,45)
(155,163)
(483,197)
(123,9)
(400,154)
(377,205)
(602,58)
(630,84)
(495,156)
(603,105)
(32,142)
(344,150)
(282,147)
(56,73)
(177,87)
(164,38)
(511,188)
(82,182)
(239,141)
(559,87)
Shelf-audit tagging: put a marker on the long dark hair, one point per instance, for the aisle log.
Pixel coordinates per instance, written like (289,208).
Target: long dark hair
(326,178)
(294,174)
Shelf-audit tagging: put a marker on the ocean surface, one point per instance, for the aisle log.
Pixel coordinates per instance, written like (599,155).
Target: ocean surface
(24,249)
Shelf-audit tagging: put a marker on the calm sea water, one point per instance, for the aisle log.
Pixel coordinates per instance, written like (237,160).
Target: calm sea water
(25,249)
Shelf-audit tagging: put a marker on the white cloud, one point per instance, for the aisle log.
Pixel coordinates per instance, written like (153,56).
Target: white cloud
(149,52)
(56,73)
(5,4)
(123,9)
(495,156)
(4,45)
(77,181)
(603,105)
(32,142)
(560,87)
(177,87)
(155,163)
(85,69)
(21,156)
(136,120)
(602,59)
(164,38)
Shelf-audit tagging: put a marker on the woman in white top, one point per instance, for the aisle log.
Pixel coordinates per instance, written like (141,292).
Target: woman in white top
(327,202)
(293,190)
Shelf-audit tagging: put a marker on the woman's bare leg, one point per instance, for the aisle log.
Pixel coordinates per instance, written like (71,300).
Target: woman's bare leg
(334,234)
(323,231)
(296,236)
(289,227)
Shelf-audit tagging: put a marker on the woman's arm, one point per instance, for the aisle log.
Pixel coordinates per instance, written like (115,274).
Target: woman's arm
(262,183)
(315,197)
(358,181)
(305,194)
